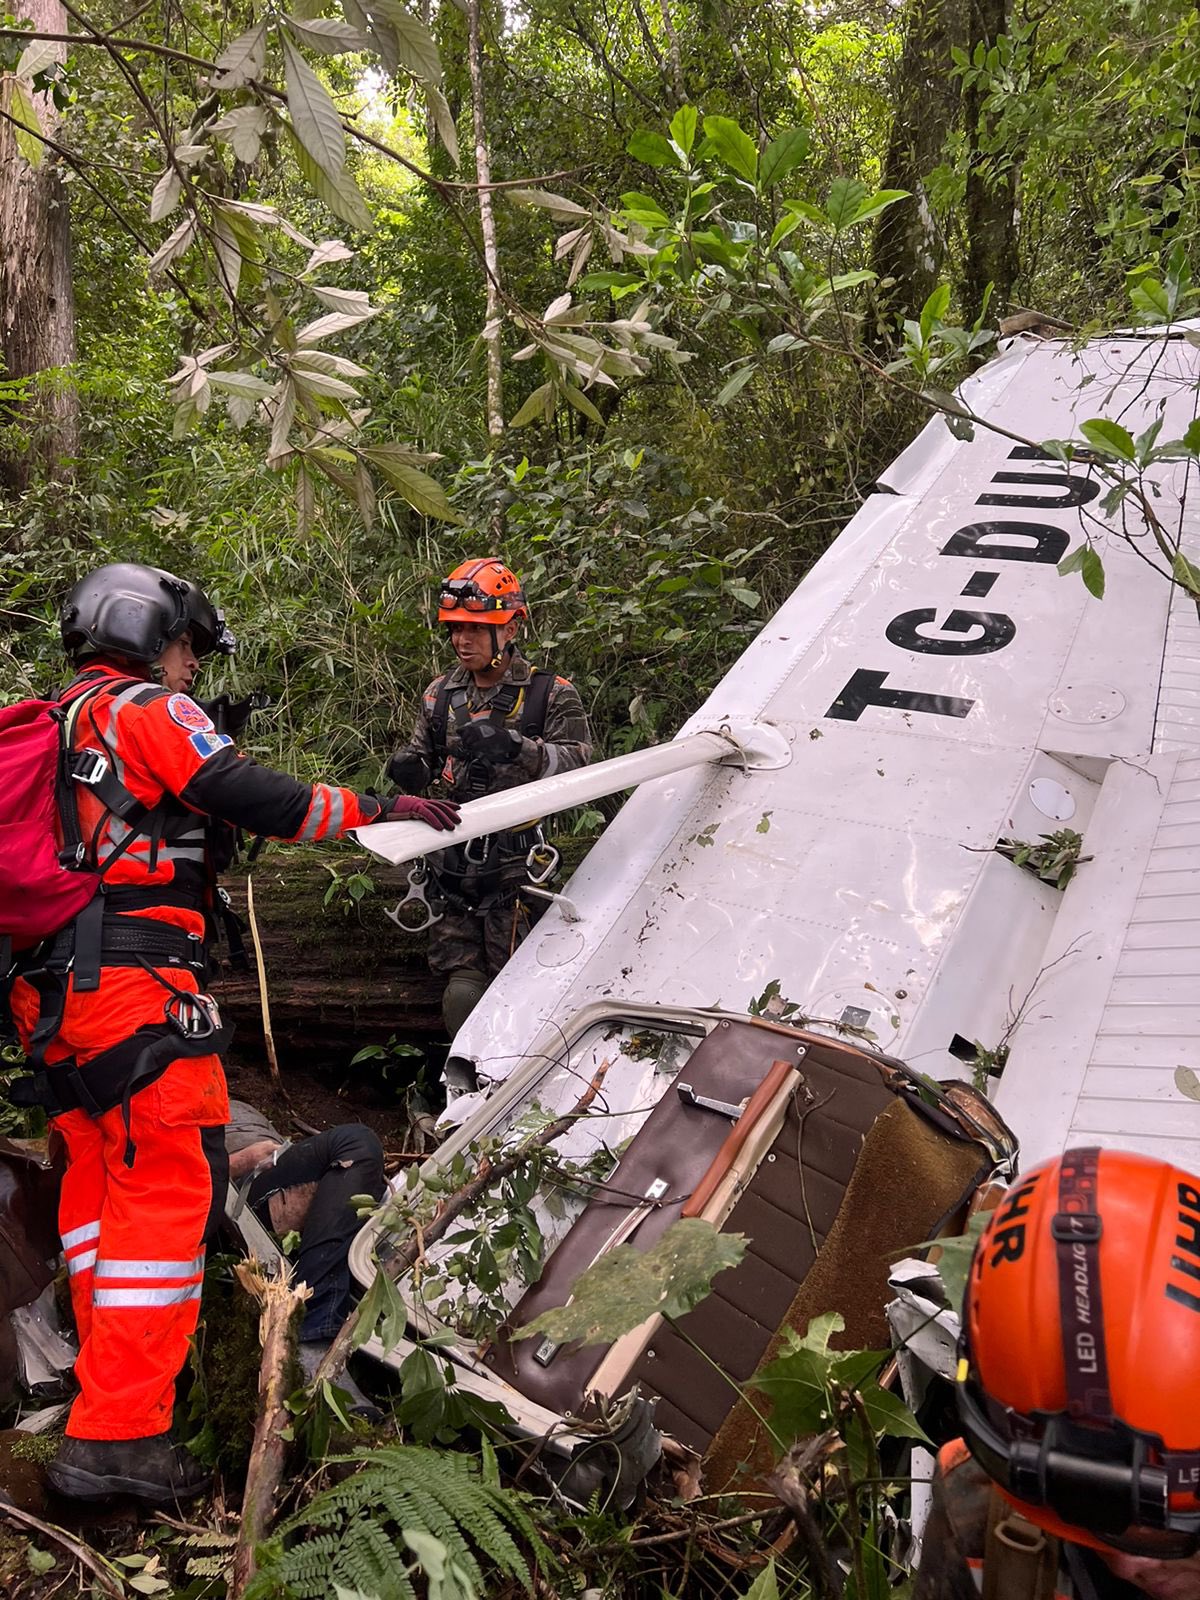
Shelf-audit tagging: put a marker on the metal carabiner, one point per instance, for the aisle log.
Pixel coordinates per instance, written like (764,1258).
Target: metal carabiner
(195,1015)
(418,877)
(542,863)
(476,851)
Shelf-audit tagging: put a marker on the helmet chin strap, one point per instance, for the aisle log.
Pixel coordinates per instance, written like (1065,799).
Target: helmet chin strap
(498,651)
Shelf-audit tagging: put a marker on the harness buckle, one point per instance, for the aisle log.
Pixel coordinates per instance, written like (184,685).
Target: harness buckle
(89,767)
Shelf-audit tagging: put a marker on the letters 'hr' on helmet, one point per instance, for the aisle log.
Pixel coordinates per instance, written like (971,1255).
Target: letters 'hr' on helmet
(135,612)
(1079,1369)
(483,590)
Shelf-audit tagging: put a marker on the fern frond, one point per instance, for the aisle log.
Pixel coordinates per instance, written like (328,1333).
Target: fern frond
(352,1531)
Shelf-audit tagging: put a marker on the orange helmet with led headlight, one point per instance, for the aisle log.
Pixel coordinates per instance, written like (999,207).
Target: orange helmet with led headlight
(482,590)
(1079,1368)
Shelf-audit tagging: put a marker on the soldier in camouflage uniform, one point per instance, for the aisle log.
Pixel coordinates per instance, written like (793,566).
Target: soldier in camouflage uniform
(492,722)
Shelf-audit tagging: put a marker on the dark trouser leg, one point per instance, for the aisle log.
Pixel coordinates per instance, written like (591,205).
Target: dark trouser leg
(345,1161)
(212,1142)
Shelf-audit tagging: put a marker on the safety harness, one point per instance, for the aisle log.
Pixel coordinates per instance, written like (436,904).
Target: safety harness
(483,860)
(104,934)
(526,702)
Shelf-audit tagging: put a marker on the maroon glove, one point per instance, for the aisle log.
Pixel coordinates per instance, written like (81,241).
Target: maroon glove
(440,814)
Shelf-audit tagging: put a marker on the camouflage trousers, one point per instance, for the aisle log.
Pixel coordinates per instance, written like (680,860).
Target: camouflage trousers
(484,935)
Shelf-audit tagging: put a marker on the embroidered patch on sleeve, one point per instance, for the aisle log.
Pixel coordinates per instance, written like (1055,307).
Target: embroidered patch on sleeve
(207,744)
(181,708)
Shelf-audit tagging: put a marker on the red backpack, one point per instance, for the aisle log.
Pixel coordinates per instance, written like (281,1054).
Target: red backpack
(38,893)
(46,878)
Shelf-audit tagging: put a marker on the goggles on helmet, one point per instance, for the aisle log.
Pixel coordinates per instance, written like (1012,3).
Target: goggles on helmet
(1110,1482)
(466,595)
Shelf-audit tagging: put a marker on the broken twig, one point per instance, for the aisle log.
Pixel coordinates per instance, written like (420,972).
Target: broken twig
(281,1301)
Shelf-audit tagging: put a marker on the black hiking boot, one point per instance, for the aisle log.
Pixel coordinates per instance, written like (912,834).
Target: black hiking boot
(156,1470)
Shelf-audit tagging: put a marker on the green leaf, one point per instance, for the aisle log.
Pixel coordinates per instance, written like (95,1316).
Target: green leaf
(934,310)
(341,194)
(418,52)
(1186,573)
(873,204)
(766,1585)
(1109,438)
(328,35)
(40,56)
(1191,439)
(626,1287)
(165,196)
(1093,573)
(423,493)
(783,155)
(539,406)
(443,121)
(315,119)
(243,60)
(25,125)
(652,148)
(786,225)
(735,385)
(556,204)
(734,146)
(576,397)
(683,128)
(1148,297)
(889,1415)
(1072,562)
(845,197)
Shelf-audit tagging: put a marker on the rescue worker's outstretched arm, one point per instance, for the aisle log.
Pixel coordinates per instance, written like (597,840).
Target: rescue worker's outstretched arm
(203,769)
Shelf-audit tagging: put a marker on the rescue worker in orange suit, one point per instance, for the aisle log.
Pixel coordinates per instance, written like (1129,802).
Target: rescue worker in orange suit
(1078,1473)
(124,1043)
(492,722)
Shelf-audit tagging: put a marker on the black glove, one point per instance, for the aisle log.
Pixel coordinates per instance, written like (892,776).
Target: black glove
(484,741)
(408,771)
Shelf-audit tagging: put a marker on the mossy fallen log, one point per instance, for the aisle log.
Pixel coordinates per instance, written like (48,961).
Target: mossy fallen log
(340,975)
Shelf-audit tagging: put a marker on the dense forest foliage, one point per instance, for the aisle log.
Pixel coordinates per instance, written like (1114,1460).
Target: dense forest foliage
(260,322)
(312,303)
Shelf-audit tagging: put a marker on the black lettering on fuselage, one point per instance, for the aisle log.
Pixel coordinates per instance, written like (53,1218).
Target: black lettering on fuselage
(998,541)
(867,689)
(995,630)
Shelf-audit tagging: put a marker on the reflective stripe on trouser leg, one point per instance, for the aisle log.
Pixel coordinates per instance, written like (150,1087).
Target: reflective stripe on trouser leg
(148,1274)
(79,1206)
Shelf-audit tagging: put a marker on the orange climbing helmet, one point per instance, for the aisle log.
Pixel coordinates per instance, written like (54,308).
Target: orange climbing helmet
(1078,1387)
(483,590)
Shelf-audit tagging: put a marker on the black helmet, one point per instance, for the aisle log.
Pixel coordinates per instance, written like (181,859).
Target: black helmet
(135,612)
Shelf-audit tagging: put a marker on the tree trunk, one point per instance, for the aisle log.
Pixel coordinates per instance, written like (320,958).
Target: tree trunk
(487,225)
(992,172)
(908,247)
(37,303)
(673,54)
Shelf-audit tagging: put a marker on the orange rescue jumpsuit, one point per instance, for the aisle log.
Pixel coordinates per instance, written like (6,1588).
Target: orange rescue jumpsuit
(133,1235)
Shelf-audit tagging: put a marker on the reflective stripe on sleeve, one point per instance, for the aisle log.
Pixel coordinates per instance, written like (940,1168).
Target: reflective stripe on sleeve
(337,811)
(81,1262)
(314,823)
(145,1297)
(74,1236)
